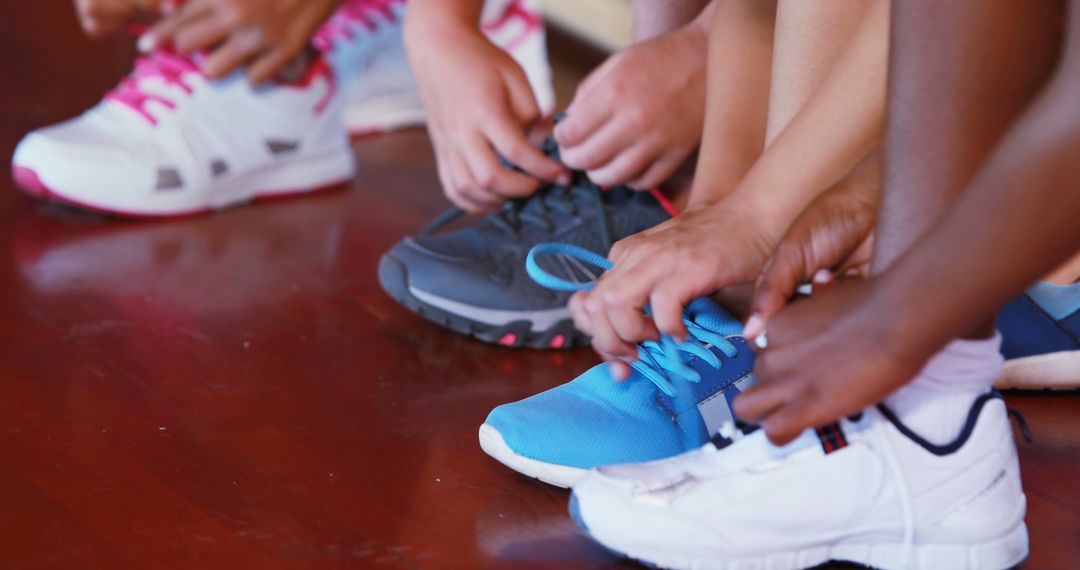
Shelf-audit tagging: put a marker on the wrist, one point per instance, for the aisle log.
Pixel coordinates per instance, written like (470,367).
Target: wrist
(769,219)
(902,319)
(439,21)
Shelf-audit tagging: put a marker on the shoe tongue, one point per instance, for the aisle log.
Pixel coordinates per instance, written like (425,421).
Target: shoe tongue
(711,316)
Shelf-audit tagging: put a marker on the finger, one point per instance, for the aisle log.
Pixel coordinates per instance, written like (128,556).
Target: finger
(509,140)
(618,369)
(465,191)
(237,51)
(592,82)
(210,31)
(492,176)
(605,340)
(630,322)
(658,173)
(266,65)
(624,292)
(522,99)
(777,283)
(788,422)
(760,401)
(98,28)
(599,149)
(587,118)
(667,311)
(576,305)
(164,32)
(442,164)
(629,163)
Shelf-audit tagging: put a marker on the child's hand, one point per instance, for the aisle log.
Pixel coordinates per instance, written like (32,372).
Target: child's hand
(639,115)
(100,18)
(261,35)
(480,106)
(828,356)
(684,258)
(831,240)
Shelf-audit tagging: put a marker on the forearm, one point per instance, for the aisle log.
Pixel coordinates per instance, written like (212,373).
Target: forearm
(655,17)
(737,95)
(1015,222)
(839,125)
(427,17)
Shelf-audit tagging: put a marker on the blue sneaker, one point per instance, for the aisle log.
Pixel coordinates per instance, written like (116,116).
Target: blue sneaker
(473,280)
(1041,351)
(676,398)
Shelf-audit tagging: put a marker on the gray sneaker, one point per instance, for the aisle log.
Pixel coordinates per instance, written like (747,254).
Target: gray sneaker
(473,280)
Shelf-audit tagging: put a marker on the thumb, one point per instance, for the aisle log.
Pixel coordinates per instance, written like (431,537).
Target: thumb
(778,281)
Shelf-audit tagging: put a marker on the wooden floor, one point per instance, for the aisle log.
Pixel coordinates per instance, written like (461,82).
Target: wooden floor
(236,390)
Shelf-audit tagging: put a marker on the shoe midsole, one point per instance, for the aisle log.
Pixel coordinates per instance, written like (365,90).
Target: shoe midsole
(540,320)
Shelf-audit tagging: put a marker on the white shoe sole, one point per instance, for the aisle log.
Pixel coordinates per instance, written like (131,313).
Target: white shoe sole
(1002,553)
(286,177)
(1054,371)
(491,441)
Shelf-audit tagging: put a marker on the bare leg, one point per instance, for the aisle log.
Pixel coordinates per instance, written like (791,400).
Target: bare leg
(655,17)
(740,57)
(808,40)
(810,36)
(948,106)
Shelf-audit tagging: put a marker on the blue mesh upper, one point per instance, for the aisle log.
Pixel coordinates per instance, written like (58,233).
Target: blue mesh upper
(595,420)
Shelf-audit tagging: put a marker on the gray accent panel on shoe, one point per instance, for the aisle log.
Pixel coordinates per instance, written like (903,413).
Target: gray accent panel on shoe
(218,167)
(541,320)
(169,179)
(282,147)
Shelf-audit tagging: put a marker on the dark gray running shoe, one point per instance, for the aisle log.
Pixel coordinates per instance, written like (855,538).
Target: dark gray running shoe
(473,280)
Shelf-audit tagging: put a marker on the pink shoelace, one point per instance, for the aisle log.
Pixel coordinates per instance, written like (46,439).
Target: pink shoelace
(170,67)
(352,15)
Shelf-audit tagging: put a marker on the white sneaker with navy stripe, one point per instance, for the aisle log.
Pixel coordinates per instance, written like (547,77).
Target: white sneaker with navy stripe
(868,491)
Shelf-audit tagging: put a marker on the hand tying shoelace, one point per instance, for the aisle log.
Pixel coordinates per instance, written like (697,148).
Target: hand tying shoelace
(656,360)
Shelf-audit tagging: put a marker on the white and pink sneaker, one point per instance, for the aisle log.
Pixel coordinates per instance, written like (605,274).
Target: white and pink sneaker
(363,40)
(169,142)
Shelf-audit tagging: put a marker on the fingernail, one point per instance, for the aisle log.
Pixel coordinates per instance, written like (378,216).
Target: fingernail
(761,341)
(753,326)
(146,43)
(563,179)
(823,276)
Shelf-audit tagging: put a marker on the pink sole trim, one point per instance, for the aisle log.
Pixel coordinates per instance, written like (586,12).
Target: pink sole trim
(28,180)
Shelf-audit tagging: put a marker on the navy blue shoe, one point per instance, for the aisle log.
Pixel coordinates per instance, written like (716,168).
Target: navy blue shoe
(1042,352)
(473,280)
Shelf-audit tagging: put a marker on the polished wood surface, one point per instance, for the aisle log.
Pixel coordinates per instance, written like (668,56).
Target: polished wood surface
(236,390)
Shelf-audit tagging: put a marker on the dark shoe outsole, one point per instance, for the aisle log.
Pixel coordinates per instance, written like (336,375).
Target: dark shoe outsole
(393,277)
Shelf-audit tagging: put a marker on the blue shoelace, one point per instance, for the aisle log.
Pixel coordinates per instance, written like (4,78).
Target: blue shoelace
(660,362)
